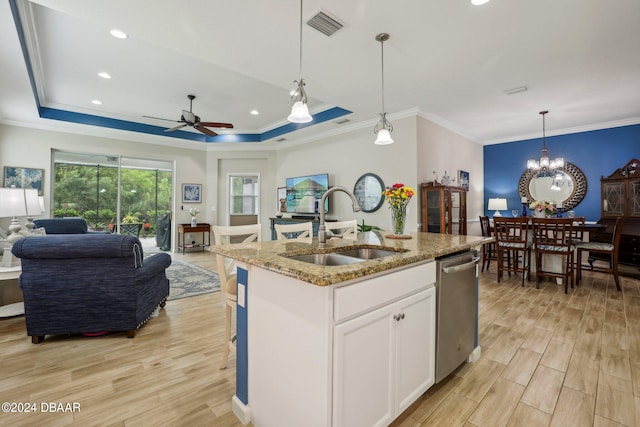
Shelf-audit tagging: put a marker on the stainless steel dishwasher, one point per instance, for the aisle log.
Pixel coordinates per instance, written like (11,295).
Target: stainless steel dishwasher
(456,308)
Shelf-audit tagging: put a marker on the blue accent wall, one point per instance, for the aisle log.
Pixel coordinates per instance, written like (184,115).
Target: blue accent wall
(242,355)
(597,153)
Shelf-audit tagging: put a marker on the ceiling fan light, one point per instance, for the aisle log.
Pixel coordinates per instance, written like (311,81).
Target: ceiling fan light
(383,138)
(299,113)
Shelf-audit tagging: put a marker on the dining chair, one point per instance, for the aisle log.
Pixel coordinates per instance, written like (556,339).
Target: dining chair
(302,231)
(512,236)
(552,238)
(343,229)
(610,249)
(578,235)
(228,279)
(488,249)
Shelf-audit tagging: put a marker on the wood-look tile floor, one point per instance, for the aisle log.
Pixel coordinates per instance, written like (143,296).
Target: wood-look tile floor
(547,359)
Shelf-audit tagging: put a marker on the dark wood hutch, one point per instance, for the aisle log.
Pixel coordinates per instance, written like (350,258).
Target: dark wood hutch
(620,196)
(443,208)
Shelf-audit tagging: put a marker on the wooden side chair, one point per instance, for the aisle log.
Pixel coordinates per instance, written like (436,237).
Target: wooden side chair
(228,278)
(512,238)
(343,229)
(610,249)
(488,249)
(302,231)
(552,238)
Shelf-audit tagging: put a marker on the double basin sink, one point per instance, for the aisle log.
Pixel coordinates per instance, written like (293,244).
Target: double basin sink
(345,256)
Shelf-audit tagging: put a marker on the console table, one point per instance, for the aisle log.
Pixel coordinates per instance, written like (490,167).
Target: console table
(15,309)
(203,228)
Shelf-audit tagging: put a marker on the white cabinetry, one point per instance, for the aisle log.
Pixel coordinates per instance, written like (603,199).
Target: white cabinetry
(384,360)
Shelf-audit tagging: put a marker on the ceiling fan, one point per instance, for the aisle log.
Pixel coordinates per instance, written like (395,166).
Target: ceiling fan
(189,119)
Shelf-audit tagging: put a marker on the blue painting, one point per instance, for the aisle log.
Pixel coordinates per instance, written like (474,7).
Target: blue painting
(191,193)
(23,178)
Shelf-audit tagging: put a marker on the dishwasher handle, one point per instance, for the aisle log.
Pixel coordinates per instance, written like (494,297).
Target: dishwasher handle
(462,267)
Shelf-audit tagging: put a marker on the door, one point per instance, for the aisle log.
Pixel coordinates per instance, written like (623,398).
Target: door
(415,347)
(363,370)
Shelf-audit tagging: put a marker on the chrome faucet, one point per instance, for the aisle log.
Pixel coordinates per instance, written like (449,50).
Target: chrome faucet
(322,231)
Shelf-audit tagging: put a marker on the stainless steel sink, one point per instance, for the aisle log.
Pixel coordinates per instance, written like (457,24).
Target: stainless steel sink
(368,253)
(327,259)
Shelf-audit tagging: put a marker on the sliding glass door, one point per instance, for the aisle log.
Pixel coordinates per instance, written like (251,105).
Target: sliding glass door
(111,192)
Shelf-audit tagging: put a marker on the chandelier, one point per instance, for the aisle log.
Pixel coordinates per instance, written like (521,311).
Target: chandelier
(545,163)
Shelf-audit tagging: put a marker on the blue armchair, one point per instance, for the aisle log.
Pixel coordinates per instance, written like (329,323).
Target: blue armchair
(82,283)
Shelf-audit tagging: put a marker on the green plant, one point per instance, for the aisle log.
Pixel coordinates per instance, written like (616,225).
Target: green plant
(363,227)
(130,219)
(62,213)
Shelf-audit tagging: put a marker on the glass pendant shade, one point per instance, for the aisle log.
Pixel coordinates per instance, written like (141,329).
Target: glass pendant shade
(384,137)
(299,113)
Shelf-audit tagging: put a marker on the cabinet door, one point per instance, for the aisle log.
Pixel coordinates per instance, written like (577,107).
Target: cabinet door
(613,199)
(363,368)
(415,347)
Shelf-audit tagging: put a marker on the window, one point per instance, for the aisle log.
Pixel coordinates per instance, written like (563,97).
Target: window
(244,194)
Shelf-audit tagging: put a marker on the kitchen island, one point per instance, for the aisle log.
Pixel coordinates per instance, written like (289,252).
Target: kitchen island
(332,345)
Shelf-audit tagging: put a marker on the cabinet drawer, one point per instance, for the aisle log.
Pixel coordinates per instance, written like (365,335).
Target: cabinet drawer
(363,296)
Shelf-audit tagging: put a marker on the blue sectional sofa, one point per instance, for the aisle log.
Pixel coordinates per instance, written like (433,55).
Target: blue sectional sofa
(65,226)
(89,283)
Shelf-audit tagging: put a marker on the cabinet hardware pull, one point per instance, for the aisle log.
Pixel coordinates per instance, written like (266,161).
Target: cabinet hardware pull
(398,317)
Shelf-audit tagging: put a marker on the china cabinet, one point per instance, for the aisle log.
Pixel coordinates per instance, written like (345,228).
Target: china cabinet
(443,208)
(621,197)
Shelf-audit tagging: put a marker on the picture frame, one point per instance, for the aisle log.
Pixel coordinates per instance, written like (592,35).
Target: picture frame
(20,177)
(281,194)
(191,193)
(463,179)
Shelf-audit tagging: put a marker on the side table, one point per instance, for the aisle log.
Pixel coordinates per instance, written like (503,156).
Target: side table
(203,228)
(17,308)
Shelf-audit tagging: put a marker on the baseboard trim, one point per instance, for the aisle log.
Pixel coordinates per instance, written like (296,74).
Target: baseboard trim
(242,411)
(475,355)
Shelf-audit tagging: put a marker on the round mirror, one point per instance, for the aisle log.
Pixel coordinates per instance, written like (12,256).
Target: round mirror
(368,191)
(566,185)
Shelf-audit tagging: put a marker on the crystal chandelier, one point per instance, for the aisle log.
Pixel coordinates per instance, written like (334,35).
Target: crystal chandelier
(545,162)
(383,129)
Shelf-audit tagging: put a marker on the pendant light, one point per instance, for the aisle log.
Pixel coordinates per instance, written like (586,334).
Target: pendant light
(383,129)
(545,163)
(300,110)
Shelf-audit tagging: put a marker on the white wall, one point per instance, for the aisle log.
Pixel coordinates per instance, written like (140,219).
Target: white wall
(25,147)
(442,150)
(348,156)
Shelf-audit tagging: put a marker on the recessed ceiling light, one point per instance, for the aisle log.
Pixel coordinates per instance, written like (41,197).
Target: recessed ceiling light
(97,102)
(479,2)
(255,112)
(118,34)
(104,75)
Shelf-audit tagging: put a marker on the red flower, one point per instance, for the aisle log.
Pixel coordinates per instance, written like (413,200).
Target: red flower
(396,186)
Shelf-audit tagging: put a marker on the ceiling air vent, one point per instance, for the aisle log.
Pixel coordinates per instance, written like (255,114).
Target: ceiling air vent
(281,139)
(325,23)
(342,121)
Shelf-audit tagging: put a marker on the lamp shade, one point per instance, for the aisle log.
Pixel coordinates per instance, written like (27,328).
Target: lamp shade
(33,202)
(384,137)
(299,113)
(497,204)
(12,202)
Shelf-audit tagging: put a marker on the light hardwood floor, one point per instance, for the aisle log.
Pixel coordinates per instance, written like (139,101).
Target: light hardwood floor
(547,359)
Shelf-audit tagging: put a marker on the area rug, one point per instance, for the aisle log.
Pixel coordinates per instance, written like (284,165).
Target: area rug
(187,280)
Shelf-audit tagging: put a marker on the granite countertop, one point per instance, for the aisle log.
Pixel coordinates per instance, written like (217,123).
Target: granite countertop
(421,247)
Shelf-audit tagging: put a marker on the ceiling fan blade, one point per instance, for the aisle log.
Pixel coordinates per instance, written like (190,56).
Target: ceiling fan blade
(204,130)
(189,116)
(217,125)
(175,128)
(160,118)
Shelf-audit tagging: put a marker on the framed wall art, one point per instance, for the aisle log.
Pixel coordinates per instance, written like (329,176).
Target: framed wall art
(23,178)
(191,193)
(463,179)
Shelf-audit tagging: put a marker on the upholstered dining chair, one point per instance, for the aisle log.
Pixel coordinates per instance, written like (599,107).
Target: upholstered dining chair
(610,249)
(228,279)
(512,238)
(552,237)
(302,231)
(343,229)
(576,235)
(488,249)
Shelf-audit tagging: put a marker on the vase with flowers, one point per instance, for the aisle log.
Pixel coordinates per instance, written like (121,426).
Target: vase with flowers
(193,212)
(398,196)
(543,209)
